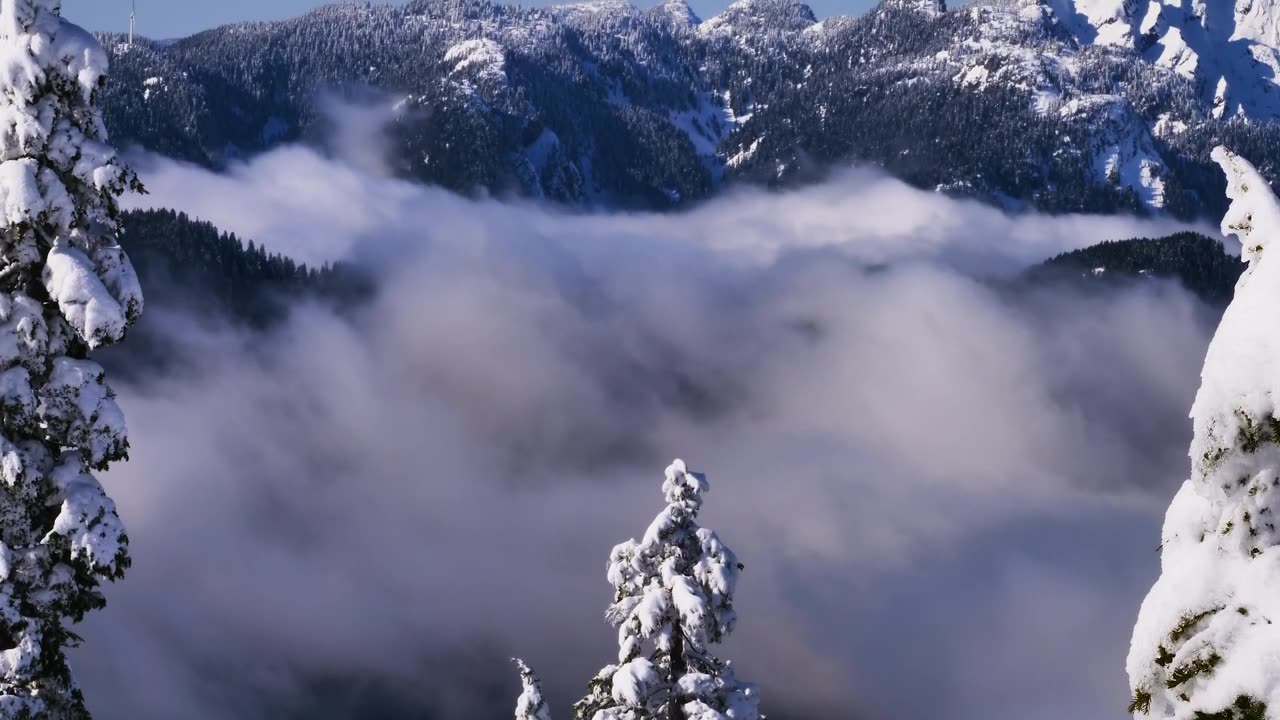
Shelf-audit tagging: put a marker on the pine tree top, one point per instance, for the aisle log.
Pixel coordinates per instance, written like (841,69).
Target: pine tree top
(1203,646)
(530,705)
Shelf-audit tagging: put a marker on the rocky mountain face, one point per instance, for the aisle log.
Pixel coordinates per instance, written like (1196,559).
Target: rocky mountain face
(1228,50)
(1061,105)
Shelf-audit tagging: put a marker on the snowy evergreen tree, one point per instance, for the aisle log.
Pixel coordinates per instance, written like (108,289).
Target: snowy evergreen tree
(66,287)
(673,600)
(531,705)
(1205,644)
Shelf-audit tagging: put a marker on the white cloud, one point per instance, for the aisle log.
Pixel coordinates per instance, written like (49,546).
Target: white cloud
(300,203)
(360,497)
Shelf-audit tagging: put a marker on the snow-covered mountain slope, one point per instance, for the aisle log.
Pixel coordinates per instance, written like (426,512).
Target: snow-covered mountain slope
(1229,49)
(1094,105)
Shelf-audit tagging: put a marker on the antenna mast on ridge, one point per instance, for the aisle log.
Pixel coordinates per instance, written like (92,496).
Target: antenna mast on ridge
(133,19)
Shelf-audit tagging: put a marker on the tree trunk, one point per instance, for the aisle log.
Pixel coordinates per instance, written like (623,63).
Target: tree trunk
(677,672)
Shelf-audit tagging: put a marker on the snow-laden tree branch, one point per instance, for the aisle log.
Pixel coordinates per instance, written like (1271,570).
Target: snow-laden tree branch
(673,599)
(530,705)
(66,288)
(1206,645)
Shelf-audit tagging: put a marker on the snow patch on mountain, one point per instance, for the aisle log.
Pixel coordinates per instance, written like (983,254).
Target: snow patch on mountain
(747,21)
(742,156)
(707,125)
(1167,126)
(1258,20)
(1101,22)
(1232,49)
(1008,44)
(585,11)
(1124,152)
(480,58)
(681,13)
(932,8)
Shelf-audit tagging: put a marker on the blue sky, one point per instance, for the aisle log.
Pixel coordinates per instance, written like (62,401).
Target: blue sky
(177,18)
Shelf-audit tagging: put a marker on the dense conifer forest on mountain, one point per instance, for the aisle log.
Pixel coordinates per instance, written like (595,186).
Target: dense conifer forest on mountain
(604,104)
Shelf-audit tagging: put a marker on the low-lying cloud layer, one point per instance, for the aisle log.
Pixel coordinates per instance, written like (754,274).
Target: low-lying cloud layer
(947,495)
(305,205)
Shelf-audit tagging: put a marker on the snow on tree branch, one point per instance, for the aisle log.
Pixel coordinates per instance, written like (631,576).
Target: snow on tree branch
(673,599)
(1204,644)
(530,705)
(66,288)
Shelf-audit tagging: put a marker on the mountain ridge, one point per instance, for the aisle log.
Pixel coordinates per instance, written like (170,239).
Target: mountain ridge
(1047,104)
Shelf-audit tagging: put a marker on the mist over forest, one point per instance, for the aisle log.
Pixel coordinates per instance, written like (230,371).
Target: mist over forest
(375,507)
(450,360)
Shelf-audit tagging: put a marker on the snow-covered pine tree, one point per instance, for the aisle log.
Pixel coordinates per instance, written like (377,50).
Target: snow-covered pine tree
(1206,643)
(530,705)
(673,600)
(66,287)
